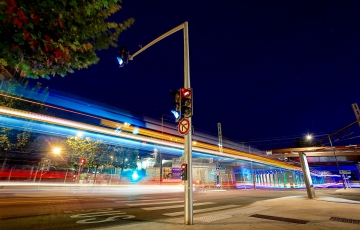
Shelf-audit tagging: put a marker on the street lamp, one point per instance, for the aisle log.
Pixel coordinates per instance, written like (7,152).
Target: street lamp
(57,150)
(309,137)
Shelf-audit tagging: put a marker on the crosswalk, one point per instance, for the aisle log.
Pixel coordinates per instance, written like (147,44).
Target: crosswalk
(167,204)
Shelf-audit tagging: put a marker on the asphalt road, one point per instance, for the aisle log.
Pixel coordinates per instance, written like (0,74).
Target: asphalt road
(31,211)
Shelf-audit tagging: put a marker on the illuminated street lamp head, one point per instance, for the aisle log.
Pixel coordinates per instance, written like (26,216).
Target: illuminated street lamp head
(308,137)
(79,134)
(57,150)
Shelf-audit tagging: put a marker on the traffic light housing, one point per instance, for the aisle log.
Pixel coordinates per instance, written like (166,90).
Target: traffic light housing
(186,102)
(184,172)
(122,58)
(177,104)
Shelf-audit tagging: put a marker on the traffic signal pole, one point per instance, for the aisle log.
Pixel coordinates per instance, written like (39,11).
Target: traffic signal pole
(188,218)
(188,188)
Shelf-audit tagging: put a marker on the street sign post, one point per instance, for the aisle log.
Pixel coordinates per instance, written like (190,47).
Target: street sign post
(184,126)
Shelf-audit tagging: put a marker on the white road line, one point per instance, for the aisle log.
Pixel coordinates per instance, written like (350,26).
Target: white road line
(108,213)
(152,203)
(202,210)
(175,206)
(118,201)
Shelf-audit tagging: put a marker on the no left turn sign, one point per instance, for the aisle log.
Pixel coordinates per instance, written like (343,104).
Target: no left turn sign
(184,126)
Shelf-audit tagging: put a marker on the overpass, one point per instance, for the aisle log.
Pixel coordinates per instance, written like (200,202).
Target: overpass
(173,143)
(317,156)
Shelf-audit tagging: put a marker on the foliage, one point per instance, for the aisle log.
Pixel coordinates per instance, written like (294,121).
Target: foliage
(11,139)
(47,37)
(98,153)
(125,158)
(11,88)
(82,148)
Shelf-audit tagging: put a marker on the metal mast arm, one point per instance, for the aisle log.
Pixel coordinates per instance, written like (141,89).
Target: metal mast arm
(179,27)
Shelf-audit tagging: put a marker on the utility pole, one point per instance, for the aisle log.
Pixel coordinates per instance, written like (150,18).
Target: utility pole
(337,163)
(220,138)
(356,110)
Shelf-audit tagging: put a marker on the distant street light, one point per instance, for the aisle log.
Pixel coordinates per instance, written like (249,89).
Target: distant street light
(309,137)
(57,150)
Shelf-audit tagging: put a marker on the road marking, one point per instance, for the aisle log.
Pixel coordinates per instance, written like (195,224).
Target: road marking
(175,206)
(109,215)
(202,210)
(106,213)
(118,201)
(152,203)
(112,218)
(88,210)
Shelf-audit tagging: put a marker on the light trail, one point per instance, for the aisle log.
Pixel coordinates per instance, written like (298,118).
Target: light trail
(147,135)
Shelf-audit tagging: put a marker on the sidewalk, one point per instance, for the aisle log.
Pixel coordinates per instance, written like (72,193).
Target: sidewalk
(302,213)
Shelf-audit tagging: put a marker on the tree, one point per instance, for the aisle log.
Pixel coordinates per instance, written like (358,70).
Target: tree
(125,158)
(95,152)
(81,148)
(11,139)
(46,37)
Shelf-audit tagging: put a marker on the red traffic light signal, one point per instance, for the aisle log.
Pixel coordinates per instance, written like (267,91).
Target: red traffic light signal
(82,161)
(184,172)
(186,93)
(186,102)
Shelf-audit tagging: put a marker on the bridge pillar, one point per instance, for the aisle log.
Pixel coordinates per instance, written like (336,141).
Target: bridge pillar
(307,176)
(275,179)
(278,175)
(259,179)
(271,179)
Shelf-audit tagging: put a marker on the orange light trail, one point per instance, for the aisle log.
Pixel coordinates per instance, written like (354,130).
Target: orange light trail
(146,135)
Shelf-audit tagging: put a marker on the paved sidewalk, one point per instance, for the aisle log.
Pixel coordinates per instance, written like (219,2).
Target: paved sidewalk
(306,213)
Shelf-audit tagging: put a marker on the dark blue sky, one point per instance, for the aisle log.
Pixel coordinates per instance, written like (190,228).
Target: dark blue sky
(265,69)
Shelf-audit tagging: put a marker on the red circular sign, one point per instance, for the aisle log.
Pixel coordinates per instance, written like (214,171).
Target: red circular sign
(184,126)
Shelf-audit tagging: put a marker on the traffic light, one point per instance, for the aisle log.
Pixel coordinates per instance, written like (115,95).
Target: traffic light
(184,172)
(177,104)
(122,58)
(82,161)
(186,102)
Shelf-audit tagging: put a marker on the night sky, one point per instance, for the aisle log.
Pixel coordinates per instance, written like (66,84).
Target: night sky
(269,71)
